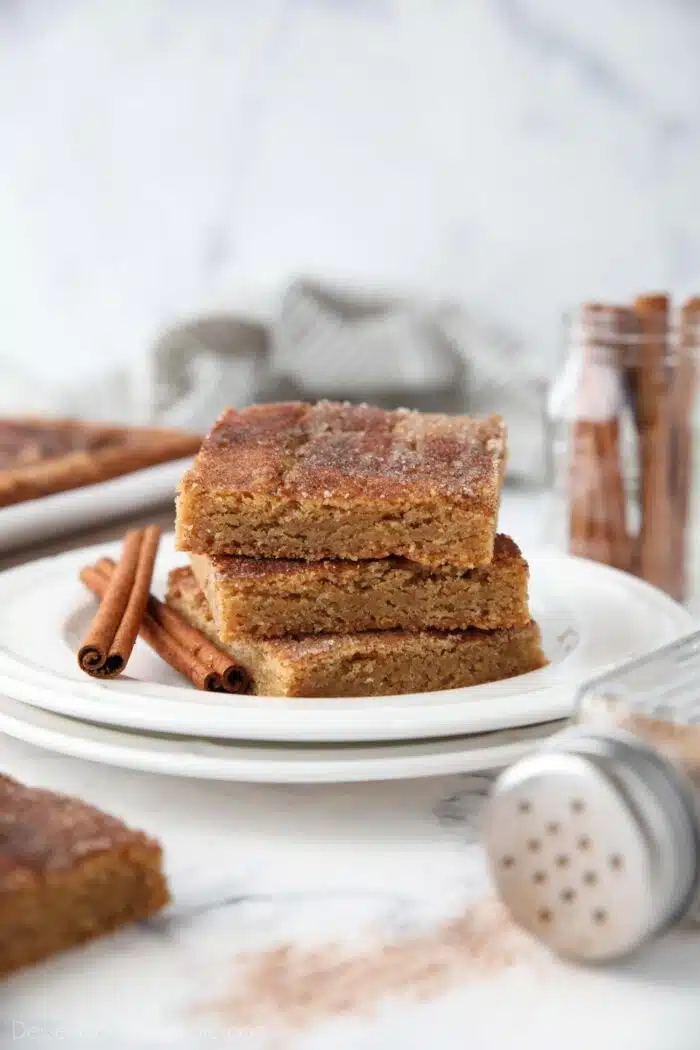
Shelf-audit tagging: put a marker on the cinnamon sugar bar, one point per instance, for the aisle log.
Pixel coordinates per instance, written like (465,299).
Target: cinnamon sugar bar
(68,873)
(333,480)
(269,597)
(370,663)
(39,457)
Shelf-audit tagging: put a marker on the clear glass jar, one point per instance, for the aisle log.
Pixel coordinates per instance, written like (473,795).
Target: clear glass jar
(620,438)
(655,697)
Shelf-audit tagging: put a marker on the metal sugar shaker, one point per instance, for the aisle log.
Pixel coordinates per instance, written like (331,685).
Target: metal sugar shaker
(594,840)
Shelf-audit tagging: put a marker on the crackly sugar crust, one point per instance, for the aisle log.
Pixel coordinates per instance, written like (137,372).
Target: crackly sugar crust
(42,832)
(231,568)
(68,873)
(24,442)
(39,457)
(344,481)
(368,663)
(340,451)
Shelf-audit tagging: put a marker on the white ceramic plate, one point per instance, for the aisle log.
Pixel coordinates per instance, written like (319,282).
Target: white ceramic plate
(64,512)
(271,763)
(591,616)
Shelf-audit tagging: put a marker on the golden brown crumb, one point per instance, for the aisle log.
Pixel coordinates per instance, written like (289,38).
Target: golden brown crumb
(348,481)
(68,873)
(269,597)
(369,663)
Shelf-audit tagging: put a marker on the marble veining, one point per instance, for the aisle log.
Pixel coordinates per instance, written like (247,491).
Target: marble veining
(160,160)
(534,27)
(255,868)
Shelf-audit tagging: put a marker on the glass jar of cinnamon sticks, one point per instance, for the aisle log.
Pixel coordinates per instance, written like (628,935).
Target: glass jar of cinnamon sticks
(621,423)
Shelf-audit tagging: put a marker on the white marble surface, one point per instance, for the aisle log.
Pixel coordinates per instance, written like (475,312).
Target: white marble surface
(255,867)
(159,158)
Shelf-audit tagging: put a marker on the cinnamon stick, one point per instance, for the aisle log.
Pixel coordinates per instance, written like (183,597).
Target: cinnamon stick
(112,635)
(578,491)
(653,424)
(598,501)
(586,506)
(682,398)
(178,643)
(582,481)
(234,678)
(613,495)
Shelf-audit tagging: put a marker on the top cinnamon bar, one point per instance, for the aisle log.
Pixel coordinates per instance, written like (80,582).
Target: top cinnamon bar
(334,480)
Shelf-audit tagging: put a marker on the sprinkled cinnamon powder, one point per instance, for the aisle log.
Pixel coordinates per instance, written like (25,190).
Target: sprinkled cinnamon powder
(296,987)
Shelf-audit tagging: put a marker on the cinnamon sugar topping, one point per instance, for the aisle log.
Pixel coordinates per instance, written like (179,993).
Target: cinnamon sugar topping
(300,481)
(231,567)
(42,832)
(308,451)
(23,443)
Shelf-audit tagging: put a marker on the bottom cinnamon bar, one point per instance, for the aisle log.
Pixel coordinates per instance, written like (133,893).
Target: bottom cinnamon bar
(371,663)
(68,873)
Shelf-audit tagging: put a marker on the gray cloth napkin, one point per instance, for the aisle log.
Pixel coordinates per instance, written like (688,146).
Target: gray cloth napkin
(341,344)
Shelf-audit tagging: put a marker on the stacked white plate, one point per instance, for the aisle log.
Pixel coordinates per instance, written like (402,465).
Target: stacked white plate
(150,719)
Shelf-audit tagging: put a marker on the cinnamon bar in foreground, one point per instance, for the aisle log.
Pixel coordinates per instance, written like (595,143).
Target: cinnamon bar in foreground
(334,480)
(269,597)
(371,663)
(68,873)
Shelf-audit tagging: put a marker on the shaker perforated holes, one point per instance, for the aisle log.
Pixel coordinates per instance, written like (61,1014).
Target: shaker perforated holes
(585,881)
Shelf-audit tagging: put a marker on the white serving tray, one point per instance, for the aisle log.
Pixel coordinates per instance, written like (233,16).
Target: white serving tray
(64,512)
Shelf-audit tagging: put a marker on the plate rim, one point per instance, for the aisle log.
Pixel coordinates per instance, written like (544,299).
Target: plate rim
(322,722)
(438,757)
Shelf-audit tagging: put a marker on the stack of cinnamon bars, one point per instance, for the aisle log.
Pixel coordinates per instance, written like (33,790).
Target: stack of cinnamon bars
(341,550)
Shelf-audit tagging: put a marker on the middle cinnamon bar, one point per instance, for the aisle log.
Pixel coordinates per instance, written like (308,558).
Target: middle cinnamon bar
(271,597)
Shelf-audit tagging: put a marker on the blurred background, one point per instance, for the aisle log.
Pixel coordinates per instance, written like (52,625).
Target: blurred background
(394,200)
